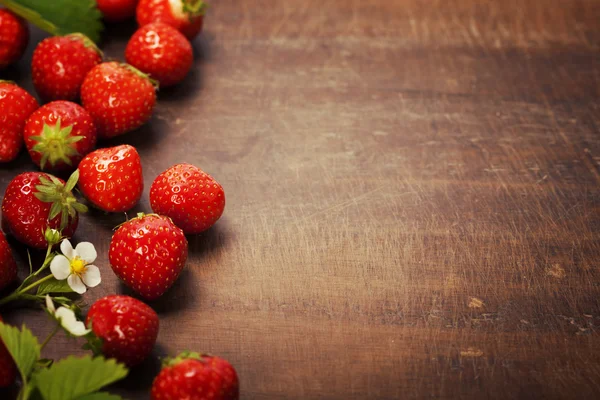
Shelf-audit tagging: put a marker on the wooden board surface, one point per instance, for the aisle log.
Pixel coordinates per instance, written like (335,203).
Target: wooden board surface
(413,201)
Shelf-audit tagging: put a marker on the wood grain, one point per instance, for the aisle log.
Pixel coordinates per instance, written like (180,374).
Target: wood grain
(413,202)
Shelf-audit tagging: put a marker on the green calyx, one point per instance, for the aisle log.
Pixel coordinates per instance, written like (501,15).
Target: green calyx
(87,42)
(7,81)
(194,8)
(186,355)
(55,144)
(61,196)
(140,74)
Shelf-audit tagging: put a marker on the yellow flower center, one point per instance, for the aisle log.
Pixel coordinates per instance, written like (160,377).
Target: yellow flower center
(78,266)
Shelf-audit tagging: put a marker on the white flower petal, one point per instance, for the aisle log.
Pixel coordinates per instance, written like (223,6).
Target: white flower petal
(67,249)
(50,304)
(60,267)
(86,251)
(91,276)
(70,323)
(75,283)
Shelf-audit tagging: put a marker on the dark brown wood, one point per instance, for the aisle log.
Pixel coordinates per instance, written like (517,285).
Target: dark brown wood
(413,202)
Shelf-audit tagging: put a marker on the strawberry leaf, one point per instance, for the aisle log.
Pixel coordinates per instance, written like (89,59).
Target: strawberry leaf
(100,396)
(23,347)
(54,286)
(74,378)
(60,17)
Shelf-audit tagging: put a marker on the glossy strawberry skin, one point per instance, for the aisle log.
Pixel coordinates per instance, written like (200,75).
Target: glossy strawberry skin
(25,216)
(8,266)
(111,178)
(16,105)
(209,378)
(149,11)
(148,254)
(118,99)
(160,51)
(14,36)
(8,369)
(70,114)
(117,10)
(189,196)
(128,328)
(60,64)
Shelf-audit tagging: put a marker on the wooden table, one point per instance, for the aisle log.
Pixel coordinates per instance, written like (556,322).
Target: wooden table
(413,201)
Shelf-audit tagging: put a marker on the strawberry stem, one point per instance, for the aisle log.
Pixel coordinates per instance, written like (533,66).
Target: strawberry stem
(87,42)
(61,196)
(141,74)
(194,8)
(56,144)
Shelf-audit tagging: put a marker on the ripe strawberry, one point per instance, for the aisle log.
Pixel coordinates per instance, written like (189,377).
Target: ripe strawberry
(8,369)
(60,64)
(58,135)
(16,105)
(112,178)
(127,328)
(117,10)
(14,36)
(34,201)
(194,376)
(8,266)
(189,196)
(119,98)
(148,253)
(184,15)
(160,51)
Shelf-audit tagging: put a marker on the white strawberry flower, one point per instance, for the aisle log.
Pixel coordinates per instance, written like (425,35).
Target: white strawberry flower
(75,265)
(67,319)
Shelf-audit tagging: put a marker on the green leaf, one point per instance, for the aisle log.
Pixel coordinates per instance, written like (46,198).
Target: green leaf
(73,377)
(100,396)
(60,17)
(54,286)
(22,346)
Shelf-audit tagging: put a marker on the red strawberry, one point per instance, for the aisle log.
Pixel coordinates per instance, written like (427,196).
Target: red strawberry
(117,10)
(119,98)
(160,51)
(189,196)
(14,36)
(112,178)
(8,266)
(34,201)
(127,327)
(58,135)
(8,369)
(148,253)
(184,15)
(16,105)
(60,64)
(194,376)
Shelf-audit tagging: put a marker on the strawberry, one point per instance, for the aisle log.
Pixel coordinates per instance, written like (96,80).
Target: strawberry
(58,135)
(14,36)
(111,178)
(184,15)
(8,369)
(194,376)
(60,64)
(127,328)
(117,10)
(16,105)
(189,196)
(8,266)
(160,51)
(148,253)
(119,98)
(34,201)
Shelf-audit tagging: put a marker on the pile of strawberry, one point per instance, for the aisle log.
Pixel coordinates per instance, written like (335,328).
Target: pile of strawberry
(147,252)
